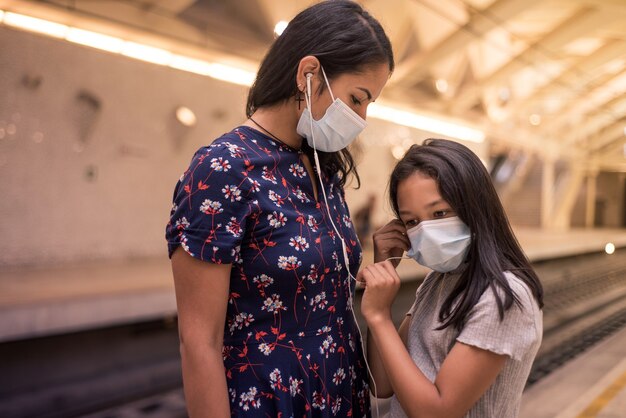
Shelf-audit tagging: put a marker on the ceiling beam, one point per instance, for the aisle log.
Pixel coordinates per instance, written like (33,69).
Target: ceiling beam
(416,67)
(581,23)
(617,146)
(591,127)
(617,105)
(171,6)
(398,19)
(585,104)
(199,47)
(608,136)
(615,6)
(119,17)
(532,141)
(570,80)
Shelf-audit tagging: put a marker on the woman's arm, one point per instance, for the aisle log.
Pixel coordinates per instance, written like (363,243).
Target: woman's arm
(202,297)
(466,373)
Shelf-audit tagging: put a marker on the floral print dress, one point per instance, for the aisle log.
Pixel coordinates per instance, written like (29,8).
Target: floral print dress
(291,345)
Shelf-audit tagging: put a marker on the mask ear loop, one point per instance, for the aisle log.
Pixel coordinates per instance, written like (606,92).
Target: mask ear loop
(327,84)
(307,96)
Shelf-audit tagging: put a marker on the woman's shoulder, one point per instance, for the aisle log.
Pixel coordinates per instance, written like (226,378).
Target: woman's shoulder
(229,153)
(228,143)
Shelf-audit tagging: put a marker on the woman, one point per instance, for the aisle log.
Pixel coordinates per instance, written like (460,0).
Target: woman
(466,346)
(261,243)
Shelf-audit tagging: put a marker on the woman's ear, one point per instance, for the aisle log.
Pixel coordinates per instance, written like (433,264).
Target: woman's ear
(308,66)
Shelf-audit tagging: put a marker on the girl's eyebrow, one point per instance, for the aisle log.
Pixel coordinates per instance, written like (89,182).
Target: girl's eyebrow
(435,203)
(429,205)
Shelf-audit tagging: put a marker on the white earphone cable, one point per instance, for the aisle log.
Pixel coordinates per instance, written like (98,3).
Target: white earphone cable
(307,96)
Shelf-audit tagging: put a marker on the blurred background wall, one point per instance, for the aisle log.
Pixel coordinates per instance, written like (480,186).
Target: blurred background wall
(90,150)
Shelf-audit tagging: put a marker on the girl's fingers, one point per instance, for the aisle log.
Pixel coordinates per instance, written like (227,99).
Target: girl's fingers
(381,271)
(369,275)
(394,242)
(392,235)
(388,266)
(378,274)
(395,225)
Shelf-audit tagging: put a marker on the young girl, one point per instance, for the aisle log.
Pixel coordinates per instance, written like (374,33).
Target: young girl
(466,346)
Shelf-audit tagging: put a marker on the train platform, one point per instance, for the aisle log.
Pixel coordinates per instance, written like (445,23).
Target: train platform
(592,385)
(40,301)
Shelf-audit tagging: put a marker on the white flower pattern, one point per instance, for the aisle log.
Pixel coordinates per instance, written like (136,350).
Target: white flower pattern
(290,337)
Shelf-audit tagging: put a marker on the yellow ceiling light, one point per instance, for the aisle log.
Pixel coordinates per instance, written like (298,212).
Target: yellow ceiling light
(146,53)
(95,40)
(280,27)
(219,71)
(186,116)
(223,72)
(609,248)
(33,24)
(231,74)
(398,152)
(191,65)
(535,119)
(441,85)
(425,123)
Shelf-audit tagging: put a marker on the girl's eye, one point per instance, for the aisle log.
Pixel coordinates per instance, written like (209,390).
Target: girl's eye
(441,213)
(355,100)
(411,223)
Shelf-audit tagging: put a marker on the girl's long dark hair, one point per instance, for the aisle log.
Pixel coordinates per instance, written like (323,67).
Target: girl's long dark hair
(344,38)
(463,182)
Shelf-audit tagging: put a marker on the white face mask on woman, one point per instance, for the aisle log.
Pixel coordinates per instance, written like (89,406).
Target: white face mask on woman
(440,244)
(339,126)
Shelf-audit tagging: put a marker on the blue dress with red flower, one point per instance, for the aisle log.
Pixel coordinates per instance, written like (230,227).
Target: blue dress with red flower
(291,344)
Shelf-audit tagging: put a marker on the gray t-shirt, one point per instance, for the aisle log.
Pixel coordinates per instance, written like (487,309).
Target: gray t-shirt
(518,336)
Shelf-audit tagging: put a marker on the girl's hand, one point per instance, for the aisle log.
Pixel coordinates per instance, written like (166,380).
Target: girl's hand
(381,286)
(391,241)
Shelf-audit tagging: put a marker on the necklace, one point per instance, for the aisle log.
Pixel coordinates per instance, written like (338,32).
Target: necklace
(274,136)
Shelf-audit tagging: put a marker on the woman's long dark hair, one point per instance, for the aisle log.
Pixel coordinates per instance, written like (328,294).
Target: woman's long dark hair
(344,38)
(463,182)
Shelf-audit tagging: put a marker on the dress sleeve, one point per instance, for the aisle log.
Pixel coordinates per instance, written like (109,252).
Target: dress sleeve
(512,336)
(210,206)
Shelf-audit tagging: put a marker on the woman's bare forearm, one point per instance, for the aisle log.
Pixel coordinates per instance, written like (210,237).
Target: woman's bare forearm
(204,381)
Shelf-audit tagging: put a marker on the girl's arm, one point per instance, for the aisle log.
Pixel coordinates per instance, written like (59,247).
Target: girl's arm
(202,297)
(466,373)
(382,387)
(389,241)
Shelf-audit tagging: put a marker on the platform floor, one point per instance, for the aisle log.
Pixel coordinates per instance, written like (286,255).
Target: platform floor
(593,385)
(44,301)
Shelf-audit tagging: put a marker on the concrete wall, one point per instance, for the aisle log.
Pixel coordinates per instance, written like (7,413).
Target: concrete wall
(63,199)
(610,200)
(78,184)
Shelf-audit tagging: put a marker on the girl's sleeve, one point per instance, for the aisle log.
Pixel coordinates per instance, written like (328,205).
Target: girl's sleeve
(514,335)
(210,205)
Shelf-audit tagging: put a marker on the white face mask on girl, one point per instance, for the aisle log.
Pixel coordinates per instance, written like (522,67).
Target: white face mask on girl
(339,126)
(440,244)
